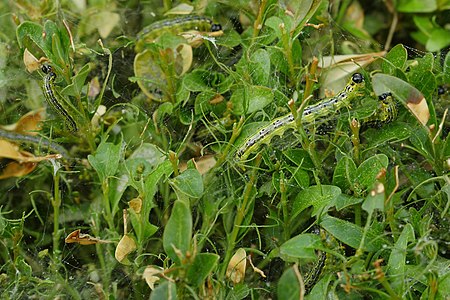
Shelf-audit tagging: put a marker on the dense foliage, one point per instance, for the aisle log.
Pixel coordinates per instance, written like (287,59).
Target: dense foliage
(130,186)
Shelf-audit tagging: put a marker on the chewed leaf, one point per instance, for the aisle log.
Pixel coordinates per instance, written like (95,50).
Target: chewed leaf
(405,93)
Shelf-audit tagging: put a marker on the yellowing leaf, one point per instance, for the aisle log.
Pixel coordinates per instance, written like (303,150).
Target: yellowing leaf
(236,266)
(125,247)
(136,205)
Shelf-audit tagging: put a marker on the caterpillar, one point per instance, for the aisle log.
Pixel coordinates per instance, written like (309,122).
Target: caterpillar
(386,112)
(52,100)
(312,277)
(24,138)
(311,113)
(175,26)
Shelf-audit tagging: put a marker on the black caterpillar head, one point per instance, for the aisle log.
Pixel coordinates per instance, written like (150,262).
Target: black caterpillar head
(216,27)
(357,78)
(46,69)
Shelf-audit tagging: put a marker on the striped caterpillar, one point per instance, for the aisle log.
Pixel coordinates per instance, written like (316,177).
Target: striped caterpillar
(24,138)
(52,100)
(175,26)
(310,114)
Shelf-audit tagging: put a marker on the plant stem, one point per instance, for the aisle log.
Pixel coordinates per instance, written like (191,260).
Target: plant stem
(240,215)
(107,205)
(257,25)
(284,206)
(56,203)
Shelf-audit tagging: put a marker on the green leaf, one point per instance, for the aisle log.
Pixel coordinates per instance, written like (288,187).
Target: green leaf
(229,40)
(150,188)
(56,44)
(142,227)
(447,68)
(163,110)
(320,197)
(351,234)
(196,81)
(249,99)
(189,183)
(439,39)
(367,172)
(416,6)
(274,23)
(397,259)
(444,286)
(301,246)
(31,30)
(300,158)
(165,291)
(443,5)
(300,176)
(345,200)
(375,199)
(394,132)
(422,144)
(446,148)
(288,287)
(446,190)
(78,81)
(424,24)
(202,266)
(260,65)
(395,59)
(105,160)
(344,173)
(202,102)
(320,289)
(178,231)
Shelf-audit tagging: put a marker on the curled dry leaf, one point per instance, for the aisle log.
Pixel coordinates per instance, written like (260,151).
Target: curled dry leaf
(126,246)
(195,38)
(203,164)
(15,168)
(150,277)
(83,239)
(11,151)
(28,123)
(101,110)
(236,266)
(30,61)
(22,162)
(339,66)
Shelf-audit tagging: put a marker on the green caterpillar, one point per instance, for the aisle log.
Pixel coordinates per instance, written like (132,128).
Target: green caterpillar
(310,114)
(52,100)
(386,112)
(175,26)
